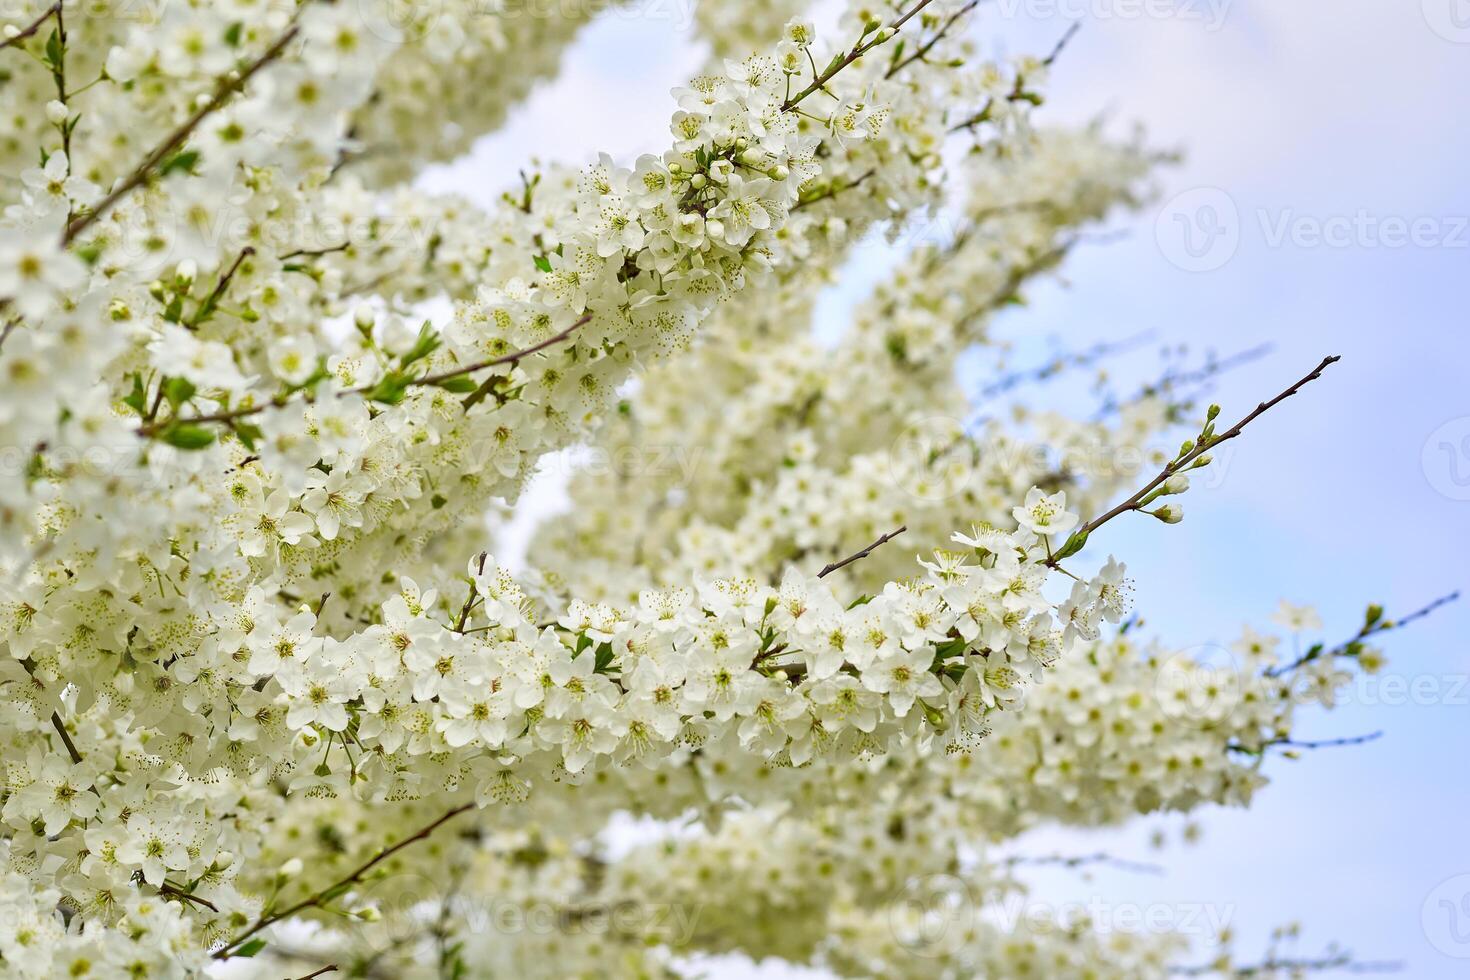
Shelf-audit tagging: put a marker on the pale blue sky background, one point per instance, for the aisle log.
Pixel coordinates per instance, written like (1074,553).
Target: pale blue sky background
(1294,116)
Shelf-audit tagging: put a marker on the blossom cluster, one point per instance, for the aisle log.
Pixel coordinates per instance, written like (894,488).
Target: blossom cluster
(252,643)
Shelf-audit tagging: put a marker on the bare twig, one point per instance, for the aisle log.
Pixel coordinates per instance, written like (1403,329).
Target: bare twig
(179,893)
(862,554)
(329,968)
(1273,966)
(1372,628)
(857,51)
(1135,502)
(230,416)
(31,28)
(71,747)
(315,899)
(928,45)
(225,90)
(1078,861)
(831,190)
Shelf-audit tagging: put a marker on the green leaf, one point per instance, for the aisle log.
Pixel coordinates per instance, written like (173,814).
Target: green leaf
(178,391)
(604,658)
(461,385)
(391,389)
(542,263)
(248,434)
(54,51)
(183,160)
(182,435)
(250,949)
(428,341)
(1074,544)
(233,32)
(137,399)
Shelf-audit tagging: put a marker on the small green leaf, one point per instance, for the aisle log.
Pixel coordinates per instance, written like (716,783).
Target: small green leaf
(250,949)
(182,435)
(428,341)
(183,160)
(233,32)
(391,389)
(248,434)
(178,391)
(542,263)
(1074,544)
(54,50)
(461,385)
(137,399)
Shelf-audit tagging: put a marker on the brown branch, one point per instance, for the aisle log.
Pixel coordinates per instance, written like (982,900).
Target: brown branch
(1019,89)
(1367,630)
(206,308)
(329,968)
(1136,501)
(230,416)
(469,602)
(1078,861)
(434,379)
(32,27)
(315,252)
(71,747)
(862,554)
(315,900)
(858,50)
(831,191)
(177,892)
(928,46)
(226,88)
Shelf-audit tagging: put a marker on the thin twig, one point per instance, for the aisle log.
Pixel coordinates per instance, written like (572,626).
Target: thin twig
(862,554)
(32,27)
(469,602)
(858,50)
(831,190)
(314,252)
(1204,445)
(206,308)
(1078,861)
(314,900)
(230,416)
(329,968)
(179,893)
(1371,629)
(928,46)
(71,748)
(224,91)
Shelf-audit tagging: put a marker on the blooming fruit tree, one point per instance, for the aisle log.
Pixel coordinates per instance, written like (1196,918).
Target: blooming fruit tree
(268,703)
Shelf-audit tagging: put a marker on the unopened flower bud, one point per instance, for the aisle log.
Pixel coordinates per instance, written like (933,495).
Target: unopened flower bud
(1169,514)
(714,228)
(56,112)
(698,181)
(185,272)
(1178,483)
(364,316)
(291,869)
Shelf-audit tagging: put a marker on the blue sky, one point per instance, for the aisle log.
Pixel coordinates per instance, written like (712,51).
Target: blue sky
(1325,150)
